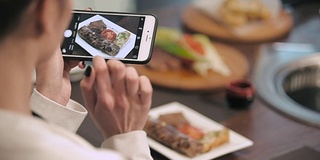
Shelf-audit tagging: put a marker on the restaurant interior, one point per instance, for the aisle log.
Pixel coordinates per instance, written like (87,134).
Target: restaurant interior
(262,82)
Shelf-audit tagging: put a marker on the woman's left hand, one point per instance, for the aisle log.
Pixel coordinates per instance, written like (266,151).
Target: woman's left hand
(52,78)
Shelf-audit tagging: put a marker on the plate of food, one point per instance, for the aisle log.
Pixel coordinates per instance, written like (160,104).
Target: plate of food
(192,62)
(178,132)
(238,20)
(101,37)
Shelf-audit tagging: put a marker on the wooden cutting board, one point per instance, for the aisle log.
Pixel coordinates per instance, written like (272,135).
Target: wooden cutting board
(188,80)
(267,30)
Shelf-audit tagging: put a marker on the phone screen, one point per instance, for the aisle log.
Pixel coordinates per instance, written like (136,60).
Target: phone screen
(105,35)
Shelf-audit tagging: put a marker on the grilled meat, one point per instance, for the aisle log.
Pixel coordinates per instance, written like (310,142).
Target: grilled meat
(97,41)
(171,137)
(97,26)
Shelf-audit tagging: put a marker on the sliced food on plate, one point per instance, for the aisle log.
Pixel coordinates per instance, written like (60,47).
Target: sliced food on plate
(178,132)
(175,131)
(97,41)
(105,39)
(192,51)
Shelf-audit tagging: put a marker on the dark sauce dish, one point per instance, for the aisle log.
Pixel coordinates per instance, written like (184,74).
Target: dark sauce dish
(240,94)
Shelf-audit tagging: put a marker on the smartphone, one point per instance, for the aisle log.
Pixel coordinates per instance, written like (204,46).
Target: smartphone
(128,37)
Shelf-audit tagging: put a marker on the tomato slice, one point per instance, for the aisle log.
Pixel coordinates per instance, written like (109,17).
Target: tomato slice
(191,131)
(194,44)
(109,34)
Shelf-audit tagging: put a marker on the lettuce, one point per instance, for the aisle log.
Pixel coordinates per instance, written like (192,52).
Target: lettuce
(177,44)
(169,40)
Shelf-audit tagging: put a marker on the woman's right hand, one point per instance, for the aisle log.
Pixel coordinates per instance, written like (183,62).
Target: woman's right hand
(117,98)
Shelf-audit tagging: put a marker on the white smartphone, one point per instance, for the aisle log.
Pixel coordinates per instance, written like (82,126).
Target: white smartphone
(128,37)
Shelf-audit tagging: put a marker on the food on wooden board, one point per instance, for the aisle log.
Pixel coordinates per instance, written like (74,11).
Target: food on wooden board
(239,12)
(196,50)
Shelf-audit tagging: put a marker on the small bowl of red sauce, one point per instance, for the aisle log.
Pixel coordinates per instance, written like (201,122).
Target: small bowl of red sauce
(240,93)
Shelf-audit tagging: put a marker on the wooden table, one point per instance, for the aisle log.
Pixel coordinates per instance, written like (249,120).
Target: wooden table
(273,134)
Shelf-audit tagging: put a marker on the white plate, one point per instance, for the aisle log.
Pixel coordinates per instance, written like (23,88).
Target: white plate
(124,50)
(237,141)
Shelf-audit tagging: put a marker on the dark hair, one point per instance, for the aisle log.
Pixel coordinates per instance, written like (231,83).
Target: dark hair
(10,13)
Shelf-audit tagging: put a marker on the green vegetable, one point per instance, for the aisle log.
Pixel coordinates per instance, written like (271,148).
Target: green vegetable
(204,40)
(170,40)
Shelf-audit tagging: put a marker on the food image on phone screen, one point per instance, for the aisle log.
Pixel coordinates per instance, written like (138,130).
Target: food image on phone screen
(111,36)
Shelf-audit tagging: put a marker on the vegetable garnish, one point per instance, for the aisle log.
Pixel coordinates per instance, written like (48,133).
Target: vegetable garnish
(195,48)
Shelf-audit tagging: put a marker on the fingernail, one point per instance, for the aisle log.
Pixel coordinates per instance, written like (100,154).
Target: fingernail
(87,72)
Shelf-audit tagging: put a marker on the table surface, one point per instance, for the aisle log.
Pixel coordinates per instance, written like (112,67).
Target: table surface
(273,134)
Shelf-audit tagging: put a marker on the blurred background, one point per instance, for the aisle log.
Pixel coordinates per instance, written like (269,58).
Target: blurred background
(281,59)
(107,5)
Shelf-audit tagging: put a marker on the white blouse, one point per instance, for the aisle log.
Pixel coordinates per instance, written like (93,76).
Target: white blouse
(31,138)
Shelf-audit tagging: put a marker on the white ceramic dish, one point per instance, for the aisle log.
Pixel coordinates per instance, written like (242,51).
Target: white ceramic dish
(124,50)
(236,143)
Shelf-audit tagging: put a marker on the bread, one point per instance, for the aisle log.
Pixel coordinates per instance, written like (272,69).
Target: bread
(214,139)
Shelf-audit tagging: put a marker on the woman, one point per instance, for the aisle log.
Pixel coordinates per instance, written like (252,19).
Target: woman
(118,100)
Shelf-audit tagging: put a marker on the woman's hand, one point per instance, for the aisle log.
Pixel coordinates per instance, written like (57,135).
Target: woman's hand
(52,79)
(117,98)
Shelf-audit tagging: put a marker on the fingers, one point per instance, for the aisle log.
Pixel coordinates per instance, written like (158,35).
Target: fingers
(69,64)
(113,82)
(145,91)
(103,81)
(118,99)
(132,82)
(138,86)
(88,89)
(117,71)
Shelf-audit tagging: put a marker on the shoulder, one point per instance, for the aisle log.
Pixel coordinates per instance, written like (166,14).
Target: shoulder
(33,138)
